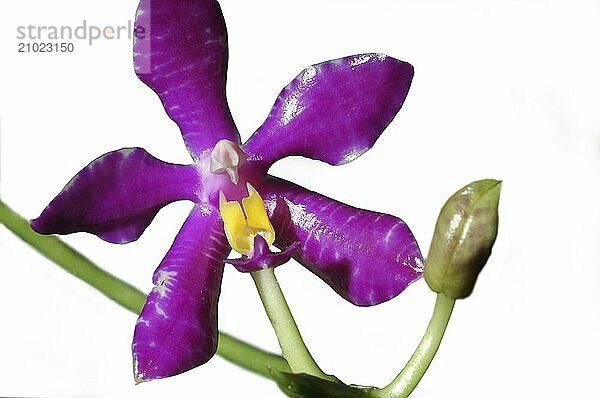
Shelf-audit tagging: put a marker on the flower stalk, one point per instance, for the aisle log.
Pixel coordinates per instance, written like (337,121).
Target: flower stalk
(406,381)
(124,294)
(292,345)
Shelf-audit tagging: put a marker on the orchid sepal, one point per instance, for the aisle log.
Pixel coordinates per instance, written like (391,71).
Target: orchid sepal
(117,196)
(333,111)
(365,256)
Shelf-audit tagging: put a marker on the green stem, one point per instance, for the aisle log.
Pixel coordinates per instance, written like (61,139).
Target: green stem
(416,367)
(230,348)
(292,346)
(73,262)
(250,357)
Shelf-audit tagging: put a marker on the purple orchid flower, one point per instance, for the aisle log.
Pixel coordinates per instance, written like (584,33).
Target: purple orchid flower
(333,112)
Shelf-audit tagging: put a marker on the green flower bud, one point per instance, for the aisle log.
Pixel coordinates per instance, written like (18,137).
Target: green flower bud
(463,238)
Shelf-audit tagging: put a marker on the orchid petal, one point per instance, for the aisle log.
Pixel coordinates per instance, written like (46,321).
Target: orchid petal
(366,257)
(117,195)
(333,111)
(177,328)
(180,52)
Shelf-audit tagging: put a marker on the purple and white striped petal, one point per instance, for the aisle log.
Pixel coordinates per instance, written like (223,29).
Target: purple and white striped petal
(366,257)
(177,328)
(117,195)
(334,111)
(180,51)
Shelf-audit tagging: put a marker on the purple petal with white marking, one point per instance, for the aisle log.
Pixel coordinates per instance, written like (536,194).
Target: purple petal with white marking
(334,111)
(366,257)
(180,52)
(263,258)
(177,328)
(117,195)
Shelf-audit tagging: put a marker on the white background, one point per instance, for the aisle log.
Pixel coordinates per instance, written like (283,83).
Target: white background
(503,89)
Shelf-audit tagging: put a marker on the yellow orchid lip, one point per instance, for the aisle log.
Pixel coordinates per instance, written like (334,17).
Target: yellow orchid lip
(242,226)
